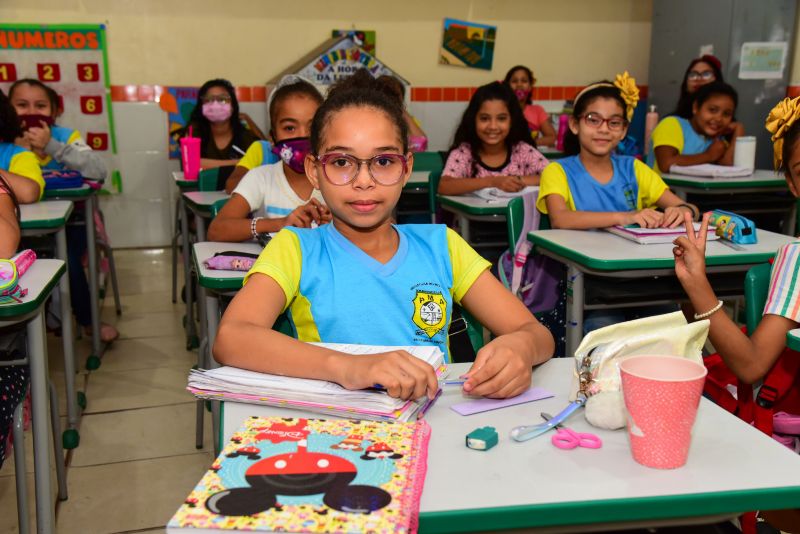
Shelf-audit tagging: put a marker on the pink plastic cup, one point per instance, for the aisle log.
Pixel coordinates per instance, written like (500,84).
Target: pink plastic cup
(661,394)
(190,156)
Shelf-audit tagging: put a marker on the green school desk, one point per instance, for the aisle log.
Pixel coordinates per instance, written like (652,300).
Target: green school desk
(40,280)
(472,208)
(200,204)
(793,339)
(88,194)
(214,284)
(603,254)
(761,181)
(732,468)
(550,152)
(43,218)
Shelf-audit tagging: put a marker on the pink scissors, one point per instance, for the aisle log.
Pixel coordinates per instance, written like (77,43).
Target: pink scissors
(566,438)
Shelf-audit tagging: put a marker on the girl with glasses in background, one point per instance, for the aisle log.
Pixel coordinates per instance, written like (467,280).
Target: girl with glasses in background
(595,187)
(701,71)
(363,279)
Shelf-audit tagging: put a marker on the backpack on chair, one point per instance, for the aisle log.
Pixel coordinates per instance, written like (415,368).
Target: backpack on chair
(538,281)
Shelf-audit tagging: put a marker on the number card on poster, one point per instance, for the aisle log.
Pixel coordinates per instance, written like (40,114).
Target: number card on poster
(73,60)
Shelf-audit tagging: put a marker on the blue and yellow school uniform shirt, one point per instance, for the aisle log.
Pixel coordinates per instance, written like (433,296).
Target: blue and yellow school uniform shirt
(259,153)
(634,186)
(676,132)
(22,162)
(336,293)
(64,135)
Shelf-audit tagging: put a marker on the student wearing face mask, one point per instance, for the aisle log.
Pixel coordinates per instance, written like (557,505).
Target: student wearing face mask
(277,194)
(701,71)
(520,79)
(218,123)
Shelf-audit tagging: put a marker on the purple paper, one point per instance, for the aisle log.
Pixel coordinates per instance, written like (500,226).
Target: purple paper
(485,405)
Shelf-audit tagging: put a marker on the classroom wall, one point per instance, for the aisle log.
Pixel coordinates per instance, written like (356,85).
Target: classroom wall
(249,41)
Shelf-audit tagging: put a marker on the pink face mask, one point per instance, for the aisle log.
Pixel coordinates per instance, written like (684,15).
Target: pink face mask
(522,94)
(217,111)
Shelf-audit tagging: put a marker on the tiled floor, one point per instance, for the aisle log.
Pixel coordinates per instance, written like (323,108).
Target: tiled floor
(137,458)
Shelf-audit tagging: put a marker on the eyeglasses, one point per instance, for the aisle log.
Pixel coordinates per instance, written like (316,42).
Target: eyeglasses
(342,169)
(595,121)
(222,99)
(706,75)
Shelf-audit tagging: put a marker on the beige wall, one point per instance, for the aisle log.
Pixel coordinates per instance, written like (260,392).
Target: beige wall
(179,42)
(794,72)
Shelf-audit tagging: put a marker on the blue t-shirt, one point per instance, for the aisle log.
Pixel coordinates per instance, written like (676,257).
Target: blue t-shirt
(620,194)
(677,132)
(337,293)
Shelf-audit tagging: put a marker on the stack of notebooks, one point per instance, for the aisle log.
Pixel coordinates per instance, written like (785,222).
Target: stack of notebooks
(311,475)
(318,396)
(653,236)
(709,170)
(495,193)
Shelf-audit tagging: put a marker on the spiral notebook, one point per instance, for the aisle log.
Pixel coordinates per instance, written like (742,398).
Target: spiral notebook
(311,475)
(319,396)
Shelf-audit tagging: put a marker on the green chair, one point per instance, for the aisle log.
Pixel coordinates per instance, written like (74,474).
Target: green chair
(433,186)
(217,206)
(474,330)
(756,286)
(428,161)
(515,217)
(207,180)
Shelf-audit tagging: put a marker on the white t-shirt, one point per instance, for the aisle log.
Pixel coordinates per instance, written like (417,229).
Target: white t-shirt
(268,192)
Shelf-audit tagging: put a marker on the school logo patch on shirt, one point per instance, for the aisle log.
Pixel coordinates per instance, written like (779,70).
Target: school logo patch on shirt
(430,312)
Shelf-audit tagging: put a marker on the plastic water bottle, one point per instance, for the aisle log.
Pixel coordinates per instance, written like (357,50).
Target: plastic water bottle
(650,122)
(563,125)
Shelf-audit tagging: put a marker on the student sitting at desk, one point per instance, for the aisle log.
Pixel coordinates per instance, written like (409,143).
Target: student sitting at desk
(217,121)
(708,137)
(280,193)
(701,71)
(59,148)
(492,146)
(362,279)
(18,165)
(751,358)
(596,188)
(520,79)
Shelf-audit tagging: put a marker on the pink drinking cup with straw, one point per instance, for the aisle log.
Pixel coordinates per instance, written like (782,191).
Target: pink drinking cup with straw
(190,156)
(661,394)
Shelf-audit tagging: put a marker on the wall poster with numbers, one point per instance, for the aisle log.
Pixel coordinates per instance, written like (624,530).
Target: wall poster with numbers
(73,60)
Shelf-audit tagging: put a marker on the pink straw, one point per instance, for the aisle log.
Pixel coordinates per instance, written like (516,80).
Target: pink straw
(190,131)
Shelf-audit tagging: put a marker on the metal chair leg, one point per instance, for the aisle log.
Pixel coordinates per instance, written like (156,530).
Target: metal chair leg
(175,239)
(23,521)
(58,449)
(113,269)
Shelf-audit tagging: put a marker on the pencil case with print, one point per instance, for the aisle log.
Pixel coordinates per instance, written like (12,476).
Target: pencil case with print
(733,227)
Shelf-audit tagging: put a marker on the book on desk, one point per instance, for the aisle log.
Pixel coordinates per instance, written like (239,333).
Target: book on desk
(653,236)
(311,475)
(709,170)
(319,396)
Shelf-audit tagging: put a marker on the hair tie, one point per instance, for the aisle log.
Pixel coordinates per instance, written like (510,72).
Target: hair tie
(778,122)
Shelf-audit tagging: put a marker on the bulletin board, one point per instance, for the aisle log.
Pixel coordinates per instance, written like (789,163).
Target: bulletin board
(73,60)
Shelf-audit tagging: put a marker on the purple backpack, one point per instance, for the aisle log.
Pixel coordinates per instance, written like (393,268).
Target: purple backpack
(534,279)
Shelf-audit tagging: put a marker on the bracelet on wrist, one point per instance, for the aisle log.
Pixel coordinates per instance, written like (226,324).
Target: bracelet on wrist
(253,224)
(709,313)
(695,214)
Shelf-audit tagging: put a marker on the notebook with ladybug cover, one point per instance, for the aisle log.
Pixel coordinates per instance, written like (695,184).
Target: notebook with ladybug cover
(312,475)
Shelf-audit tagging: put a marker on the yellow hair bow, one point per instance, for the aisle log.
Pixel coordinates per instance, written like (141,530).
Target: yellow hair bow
(630,93)
(779,120)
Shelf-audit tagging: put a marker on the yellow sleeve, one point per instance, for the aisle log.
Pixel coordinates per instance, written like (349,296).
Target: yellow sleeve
(467,264)
(554,181)
(281,260)
(252,158)
(25,164)
(74,136)
(651,186)
(668,133)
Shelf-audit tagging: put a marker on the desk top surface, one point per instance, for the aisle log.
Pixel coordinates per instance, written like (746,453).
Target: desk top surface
(473,205)
(731,468)
(84,191)
(203,200)
(601,250)
(42,215)
(217,279)
(39,280)
(759,178)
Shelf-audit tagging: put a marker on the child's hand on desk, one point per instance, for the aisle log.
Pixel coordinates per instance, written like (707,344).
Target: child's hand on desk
(646,218)
(690,254)
(500,370)
(673,217)
(402,375)
(510,184)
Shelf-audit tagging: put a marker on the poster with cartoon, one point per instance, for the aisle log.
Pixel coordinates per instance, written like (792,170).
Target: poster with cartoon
(362,38)
(179,103)
(467,44)
(312,475)
(72,59)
